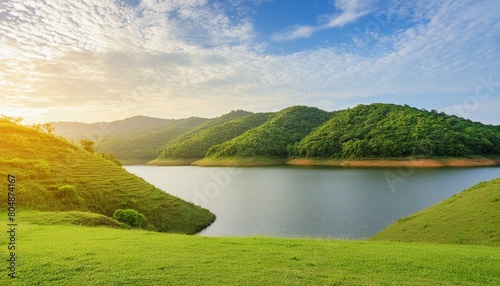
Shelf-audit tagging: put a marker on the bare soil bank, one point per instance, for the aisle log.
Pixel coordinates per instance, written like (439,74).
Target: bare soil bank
(408,162)
(416,163)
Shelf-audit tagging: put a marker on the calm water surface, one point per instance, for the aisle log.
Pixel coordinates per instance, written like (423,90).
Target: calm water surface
(310,202)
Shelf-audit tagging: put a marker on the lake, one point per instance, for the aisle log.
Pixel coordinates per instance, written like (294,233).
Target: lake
(290,201)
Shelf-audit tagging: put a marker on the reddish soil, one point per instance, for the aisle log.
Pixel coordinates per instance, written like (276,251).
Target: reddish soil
(417,163)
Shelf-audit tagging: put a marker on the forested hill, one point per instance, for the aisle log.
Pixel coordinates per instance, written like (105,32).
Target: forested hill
(197,146)
(209,124)
(365,131)
(388,130)
(273,138)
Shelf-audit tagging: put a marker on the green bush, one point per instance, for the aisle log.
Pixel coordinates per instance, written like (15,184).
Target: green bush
(65,192)
(130,217)
(69,196)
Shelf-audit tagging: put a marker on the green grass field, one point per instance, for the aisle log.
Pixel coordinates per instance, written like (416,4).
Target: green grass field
(68,254)
(65,235)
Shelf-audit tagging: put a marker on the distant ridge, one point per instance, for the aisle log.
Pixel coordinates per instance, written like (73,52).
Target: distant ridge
(306,135)
(127,127)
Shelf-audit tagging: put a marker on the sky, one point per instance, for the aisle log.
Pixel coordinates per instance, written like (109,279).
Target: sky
(90,61)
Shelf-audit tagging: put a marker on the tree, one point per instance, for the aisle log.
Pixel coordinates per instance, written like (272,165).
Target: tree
(88,145)
(47,128)
(10,119)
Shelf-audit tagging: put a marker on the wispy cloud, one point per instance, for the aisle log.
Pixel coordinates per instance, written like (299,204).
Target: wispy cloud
(350,11)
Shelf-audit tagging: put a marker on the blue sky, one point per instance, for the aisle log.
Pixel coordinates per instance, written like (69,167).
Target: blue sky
(91,61)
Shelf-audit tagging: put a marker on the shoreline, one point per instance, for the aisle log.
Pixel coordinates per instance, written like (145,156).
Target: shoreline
(389,162)
(414,163)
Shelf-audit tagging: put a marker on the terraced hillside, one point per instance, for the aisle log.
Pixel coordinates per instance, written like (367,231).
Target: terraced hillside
(55,175)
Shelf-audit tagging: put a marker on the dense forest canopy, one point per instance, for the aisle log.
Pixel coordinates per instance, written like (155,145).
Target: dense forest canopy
(365,131)
(276,136)
(197,146)
(209,124)
(388,130)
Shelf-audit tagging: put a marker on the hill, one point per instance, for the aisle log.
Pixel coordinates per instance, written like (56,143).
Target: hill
(128,127)
(273,138)
(72,255)
(55,175)
(211,123)
(146,147)
(197,146)
(391,131)
(470,217)
(366,135)
(184,140)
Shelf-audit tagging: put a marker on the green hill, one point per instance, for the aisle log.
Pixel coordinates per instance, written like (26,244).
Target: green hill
(146,147)
(210,123)
(197,146)
(388,130)
(55,175)
(273,138)
(78,255)
(305,135)
(470,217)
(183,140)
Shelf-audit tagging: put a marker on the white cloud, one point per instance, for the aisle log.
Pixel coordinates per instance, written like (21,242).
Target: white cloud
(350,11)
(180,58)
(294,33)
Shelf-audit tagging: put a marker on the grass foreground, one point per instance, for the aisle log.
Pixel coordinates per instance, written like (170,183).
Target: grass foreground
(68,254)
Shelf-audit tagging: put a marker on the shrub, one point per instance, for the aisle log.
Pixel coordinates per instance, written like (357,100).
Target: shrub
(111,157)
(68,196)
(65,192)
(130,217)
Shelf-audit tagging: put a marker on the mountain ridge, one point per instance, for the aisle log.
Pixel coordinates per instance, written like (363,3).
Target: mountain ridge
(376,131)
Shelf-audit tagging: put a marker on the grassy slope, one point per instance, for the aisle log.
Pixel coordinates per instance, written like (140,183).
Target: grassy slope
(43,164)
(68,218)
(45,257)
(470,217)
